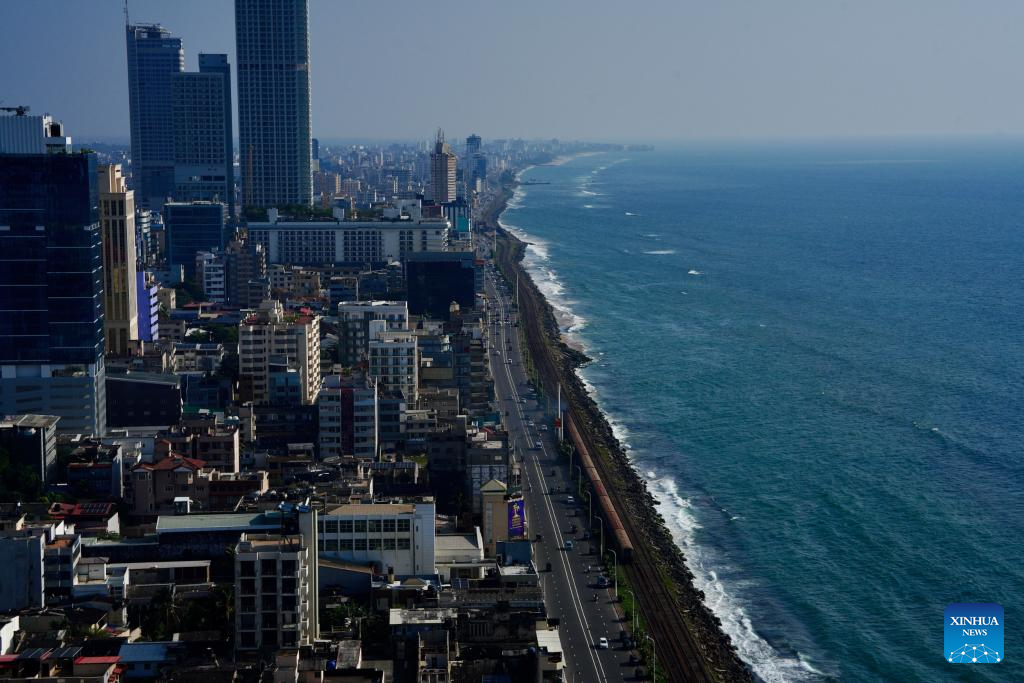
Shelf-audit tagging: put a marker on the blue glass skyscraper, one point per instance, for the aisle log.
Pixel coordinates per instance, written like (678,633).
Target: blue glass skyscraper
(154,56)
(193,227)
(274,130)
(51,282)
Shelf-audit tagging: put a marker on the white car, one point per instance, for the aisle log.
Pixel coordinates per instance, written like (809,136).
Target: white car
(602,643)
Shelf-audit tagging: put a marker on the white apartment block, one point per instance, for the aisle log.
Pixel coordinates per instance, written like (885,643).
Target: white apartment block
(399,536)
(393,360)
(210,274)
(273,587)
(401,230)
(271,331)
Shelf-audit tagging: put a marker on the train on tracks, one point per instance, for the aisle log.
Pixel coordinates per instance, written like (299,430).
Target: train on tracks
(613,525)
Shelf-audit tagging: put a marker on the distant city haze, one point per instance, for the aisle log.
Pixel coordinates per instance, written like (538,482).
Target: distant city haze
(652,70)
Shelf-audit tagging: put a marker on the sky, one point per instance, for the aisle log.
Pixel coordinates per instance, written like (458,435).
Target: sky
(573,69)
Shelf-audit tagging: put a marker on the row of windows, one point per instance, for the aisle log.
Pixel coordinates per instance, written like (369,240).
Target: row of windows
(362,526)
(336,545)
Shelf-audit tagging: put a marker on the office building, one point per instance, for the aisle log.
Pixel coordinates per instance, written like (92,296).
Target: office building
(193,227)
(274,125)
(398,538)
(392,359)
(120,292)
(442,171)
(472,146)
(277,588)
(436,281)
(269,334)
(354,325)
(245,273)
(31,441)
(154,57)
(203,133)
(210,275)
(148,298)
(51,278)
(22,573)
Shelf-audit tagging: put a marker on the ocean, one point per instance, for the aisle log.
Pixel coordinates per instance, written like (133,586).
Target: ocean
(814,353)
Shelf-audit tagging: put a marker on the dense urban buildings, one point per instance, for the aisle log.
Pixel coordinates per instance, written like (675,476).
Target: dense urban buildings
(274,124)
(193,227)
(154,58)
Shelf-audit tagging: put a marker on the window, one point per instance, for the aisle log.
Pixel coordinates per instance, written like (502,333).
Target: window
(360,526)
(269,584)
(373,544)
(248,568)
(332,526)
(360,545)
(403,544)
(374,526)
(288,567)
(389,526)
(345,544)
(248,586)
(403,525)
(389,544)
(248,604)
(268,567)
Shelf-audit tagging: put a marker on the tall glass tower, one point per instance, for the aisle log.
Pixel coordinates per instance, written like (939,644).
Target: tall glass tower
(274,127)
(51,279)
(154,56)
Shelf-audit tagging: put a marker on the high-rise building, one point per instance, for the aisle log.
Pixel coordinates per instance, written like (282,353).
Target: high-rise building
(193,227)
(202,125)
(274,125)
(269,334)
(154,57)
(393,362)
(120,293)
(245,273)
(472,146)
(51,278)
(442,171)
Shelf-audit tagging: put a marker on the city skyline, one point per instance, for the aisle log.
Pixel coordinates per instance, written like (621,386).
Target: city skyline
(928,69)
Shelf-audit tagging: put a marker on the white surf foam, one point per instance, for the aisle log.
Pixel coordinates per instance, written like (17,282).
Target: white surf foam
(682,522)
(694,272)
(660,252)
(630,213)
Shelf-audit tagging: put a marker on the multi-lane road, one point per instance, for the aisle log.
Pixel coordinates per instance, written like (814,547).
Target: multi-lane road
(586,612)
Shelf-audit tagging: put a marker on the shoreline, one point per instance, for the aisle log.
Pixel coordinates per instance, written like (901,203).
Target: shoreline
(703,640)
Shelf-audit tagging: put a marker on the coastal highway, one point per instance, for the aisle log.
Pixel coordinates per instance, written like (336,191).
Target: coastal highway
(569,588)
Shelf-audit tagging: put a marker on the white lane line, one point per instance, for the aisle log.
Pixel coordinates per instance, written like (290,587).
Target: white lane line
(577,601)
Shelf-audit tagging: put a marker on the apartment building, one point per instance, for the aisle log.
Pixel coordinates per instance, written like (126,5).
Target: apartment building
(270,332)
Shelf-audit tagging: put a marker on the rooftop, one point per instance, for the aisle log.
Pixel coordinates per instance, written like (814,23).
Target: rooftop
(227,521)
(357,510)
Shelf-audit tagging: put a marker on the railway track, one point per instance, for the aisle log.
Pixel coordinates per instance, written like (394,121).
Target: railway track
(681,657)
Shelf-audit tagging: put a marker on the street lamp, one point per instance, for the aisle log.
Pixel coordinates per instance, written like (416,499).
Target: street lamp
(615,572)
(654,649)
(633,608)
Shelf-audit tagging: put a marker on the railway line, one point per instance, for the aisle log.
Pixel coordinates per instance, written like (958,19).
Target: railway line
(681,657)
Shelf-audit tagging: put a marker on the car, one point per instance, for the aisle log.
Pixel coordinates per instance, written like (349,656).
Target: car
(568,544)
(530,422)
(602,643)
(569,500)
(543,428)
(538,445)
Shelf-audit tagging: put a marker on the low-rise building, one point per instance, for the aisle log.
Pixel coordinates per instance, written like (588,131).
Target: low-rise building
(398,537)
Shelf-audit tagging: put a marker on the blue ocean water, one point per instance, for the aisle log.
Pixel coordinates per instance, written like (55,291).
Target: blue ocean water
(815,353)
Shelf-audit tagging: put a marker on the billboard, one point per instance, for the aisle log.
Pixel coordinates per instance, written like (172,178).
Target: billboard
(516,518)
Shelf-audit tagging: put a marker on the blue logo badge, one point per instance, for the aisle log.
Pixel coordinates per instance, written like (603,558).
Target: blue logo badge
(974,633)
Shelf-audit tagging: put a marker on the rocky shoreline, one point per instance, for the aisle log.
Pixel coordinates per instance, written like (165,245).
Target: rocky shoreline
(630,491)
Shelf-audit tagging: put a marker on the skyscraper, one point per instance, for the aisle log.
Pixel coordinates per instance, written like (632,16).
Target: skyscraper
(442,171)
(203,131)
(51,278)
(472,146)
(120,290)
(274,126)
(154,56)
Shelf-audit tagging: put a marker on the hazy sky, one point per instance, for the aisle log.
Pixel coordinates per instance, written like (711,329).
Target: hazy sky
(595,69)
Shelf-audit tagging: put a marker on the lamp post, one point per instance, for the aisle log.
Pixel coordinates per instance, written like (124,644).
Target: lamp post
(654,649)
(579,478)
(601,547)
(615,572)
